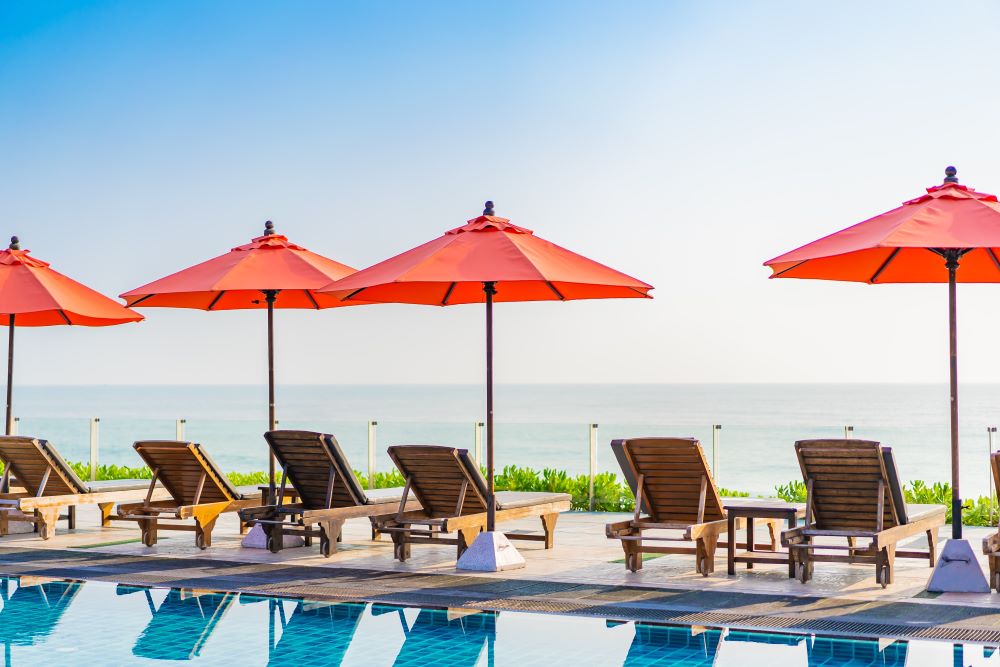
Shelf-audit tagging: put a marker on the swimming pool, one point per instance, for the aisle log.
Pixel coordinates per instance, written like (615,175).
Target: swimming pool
(53,622)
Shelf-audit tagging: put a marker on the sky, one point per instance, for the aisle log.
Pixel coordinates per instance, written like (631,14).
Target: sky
(682,143)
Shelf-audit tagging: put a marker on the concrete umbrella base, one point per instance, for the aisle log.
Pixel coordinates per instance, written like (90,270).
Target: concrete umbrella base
(490,552)
(957,570)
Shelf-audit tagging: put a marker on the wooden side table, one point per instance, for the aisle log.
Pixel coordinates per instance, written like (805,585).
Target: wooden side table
(776,510)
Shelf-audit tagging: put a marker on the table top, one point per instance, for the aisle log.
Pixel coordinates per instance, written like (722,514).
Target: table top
(763,507)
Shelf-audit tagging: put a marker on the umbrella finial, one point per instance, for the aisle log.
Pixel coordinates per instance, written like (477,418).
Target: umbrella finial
(489,208)
(950,175)
(15,243)
(269,228)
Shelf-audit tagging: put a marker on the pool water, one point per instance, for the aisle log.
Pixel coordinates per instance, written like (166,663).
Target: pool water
(52,622)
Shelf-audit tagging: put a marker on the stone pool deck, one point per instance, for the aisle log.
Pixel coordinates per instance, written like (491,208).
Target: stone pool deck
(583,575)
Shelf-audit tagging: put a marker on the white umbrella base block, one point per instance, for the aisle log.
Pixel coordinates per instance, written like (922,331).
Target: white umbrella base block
(257,539)
(490,552)
(957,570)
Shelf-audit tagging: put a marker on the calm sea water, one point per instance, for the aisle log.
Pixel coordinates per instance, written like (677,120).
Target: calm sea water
(537,425)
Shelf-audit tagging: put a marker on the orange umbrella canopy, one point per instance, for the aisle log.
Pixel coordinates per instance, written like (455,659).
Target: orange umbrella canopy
(33,294)
(906,244)
(950,235)
(452,268)
(236,279)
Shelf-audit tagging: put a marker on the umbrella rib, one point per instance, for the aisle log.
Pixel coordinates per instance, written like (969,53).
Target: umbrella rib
(140,300)
(354,293)
(447,295)
(554,290)
(993,256)
(791,268)
(65,317)
(216,300)
(312,299)
(882,268)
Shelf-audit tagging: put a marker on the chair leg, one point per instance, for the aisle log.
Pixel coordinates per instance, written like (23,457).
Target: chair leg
(633,555)
(549,525)
(705,554)
(106,509)
(203,533)
(932,540)
(71,517)
(885,565)
(851,543)
(47,519)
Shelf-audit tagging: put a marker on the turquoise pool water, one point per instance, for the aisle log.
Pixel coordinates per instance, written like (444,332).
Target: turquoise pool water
(46,622)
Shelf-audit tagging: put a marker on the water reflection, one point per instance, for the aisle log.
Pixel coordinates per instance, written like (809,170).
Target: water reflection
(180,627)
(32,608)
(467,634)
(47,622)
(332,624)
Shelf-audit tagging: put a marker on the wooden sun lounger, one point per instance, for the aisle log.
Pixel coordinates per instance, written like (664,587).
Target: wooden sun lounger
(452,494)
(853,492)
(49,485)
(991,543)
(674,491)
(197,490)
(327,489)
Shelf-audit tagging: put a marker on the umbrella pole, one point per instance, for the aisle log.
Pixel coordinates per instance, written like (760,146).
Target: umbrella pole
(269,296)
(490,289)
(10,375)
(951,262)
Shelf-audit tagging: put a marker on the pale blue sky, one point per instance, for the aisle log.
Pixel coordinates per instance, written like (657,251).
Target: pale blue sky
(684,143)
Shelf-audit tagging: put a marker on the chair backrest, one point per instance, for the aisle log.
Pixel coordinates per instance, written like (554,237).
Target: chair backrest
(308,458)
(436,474)
(29,458)
(179,467)
(672,471)
(995,467)
(846,477)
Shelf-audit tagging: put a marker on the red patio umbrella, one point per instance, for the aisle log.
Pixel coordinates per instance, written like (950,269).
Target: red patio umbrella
(925,240)
(33,294)
(486,260)
(269,272)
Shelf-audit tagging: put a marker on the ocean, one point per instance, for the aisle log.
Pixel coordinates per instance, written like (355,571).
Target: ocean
(537,425)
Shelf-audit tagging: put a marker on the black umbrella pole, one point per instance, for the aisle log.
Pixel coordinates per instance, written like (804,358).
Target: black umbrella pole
(490,289)
(269,296)
(956,498)
(10,377)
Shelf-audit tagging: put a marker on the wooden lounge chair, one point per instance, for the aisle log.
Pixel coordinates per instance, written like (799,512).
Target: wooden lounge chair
(183,624)
(327,489)
(49,485)
(452,494)
(991,543)
(853,492)
(198,490)
(675,491)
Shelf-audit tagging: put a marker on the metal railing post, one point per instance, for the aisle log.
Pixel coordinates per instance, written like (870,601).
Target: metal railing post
(371,454)
(179,429)
(94,434)
(990,430)
(478,428)
(593,462)
(15,425)
(716,445)
(848,432)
